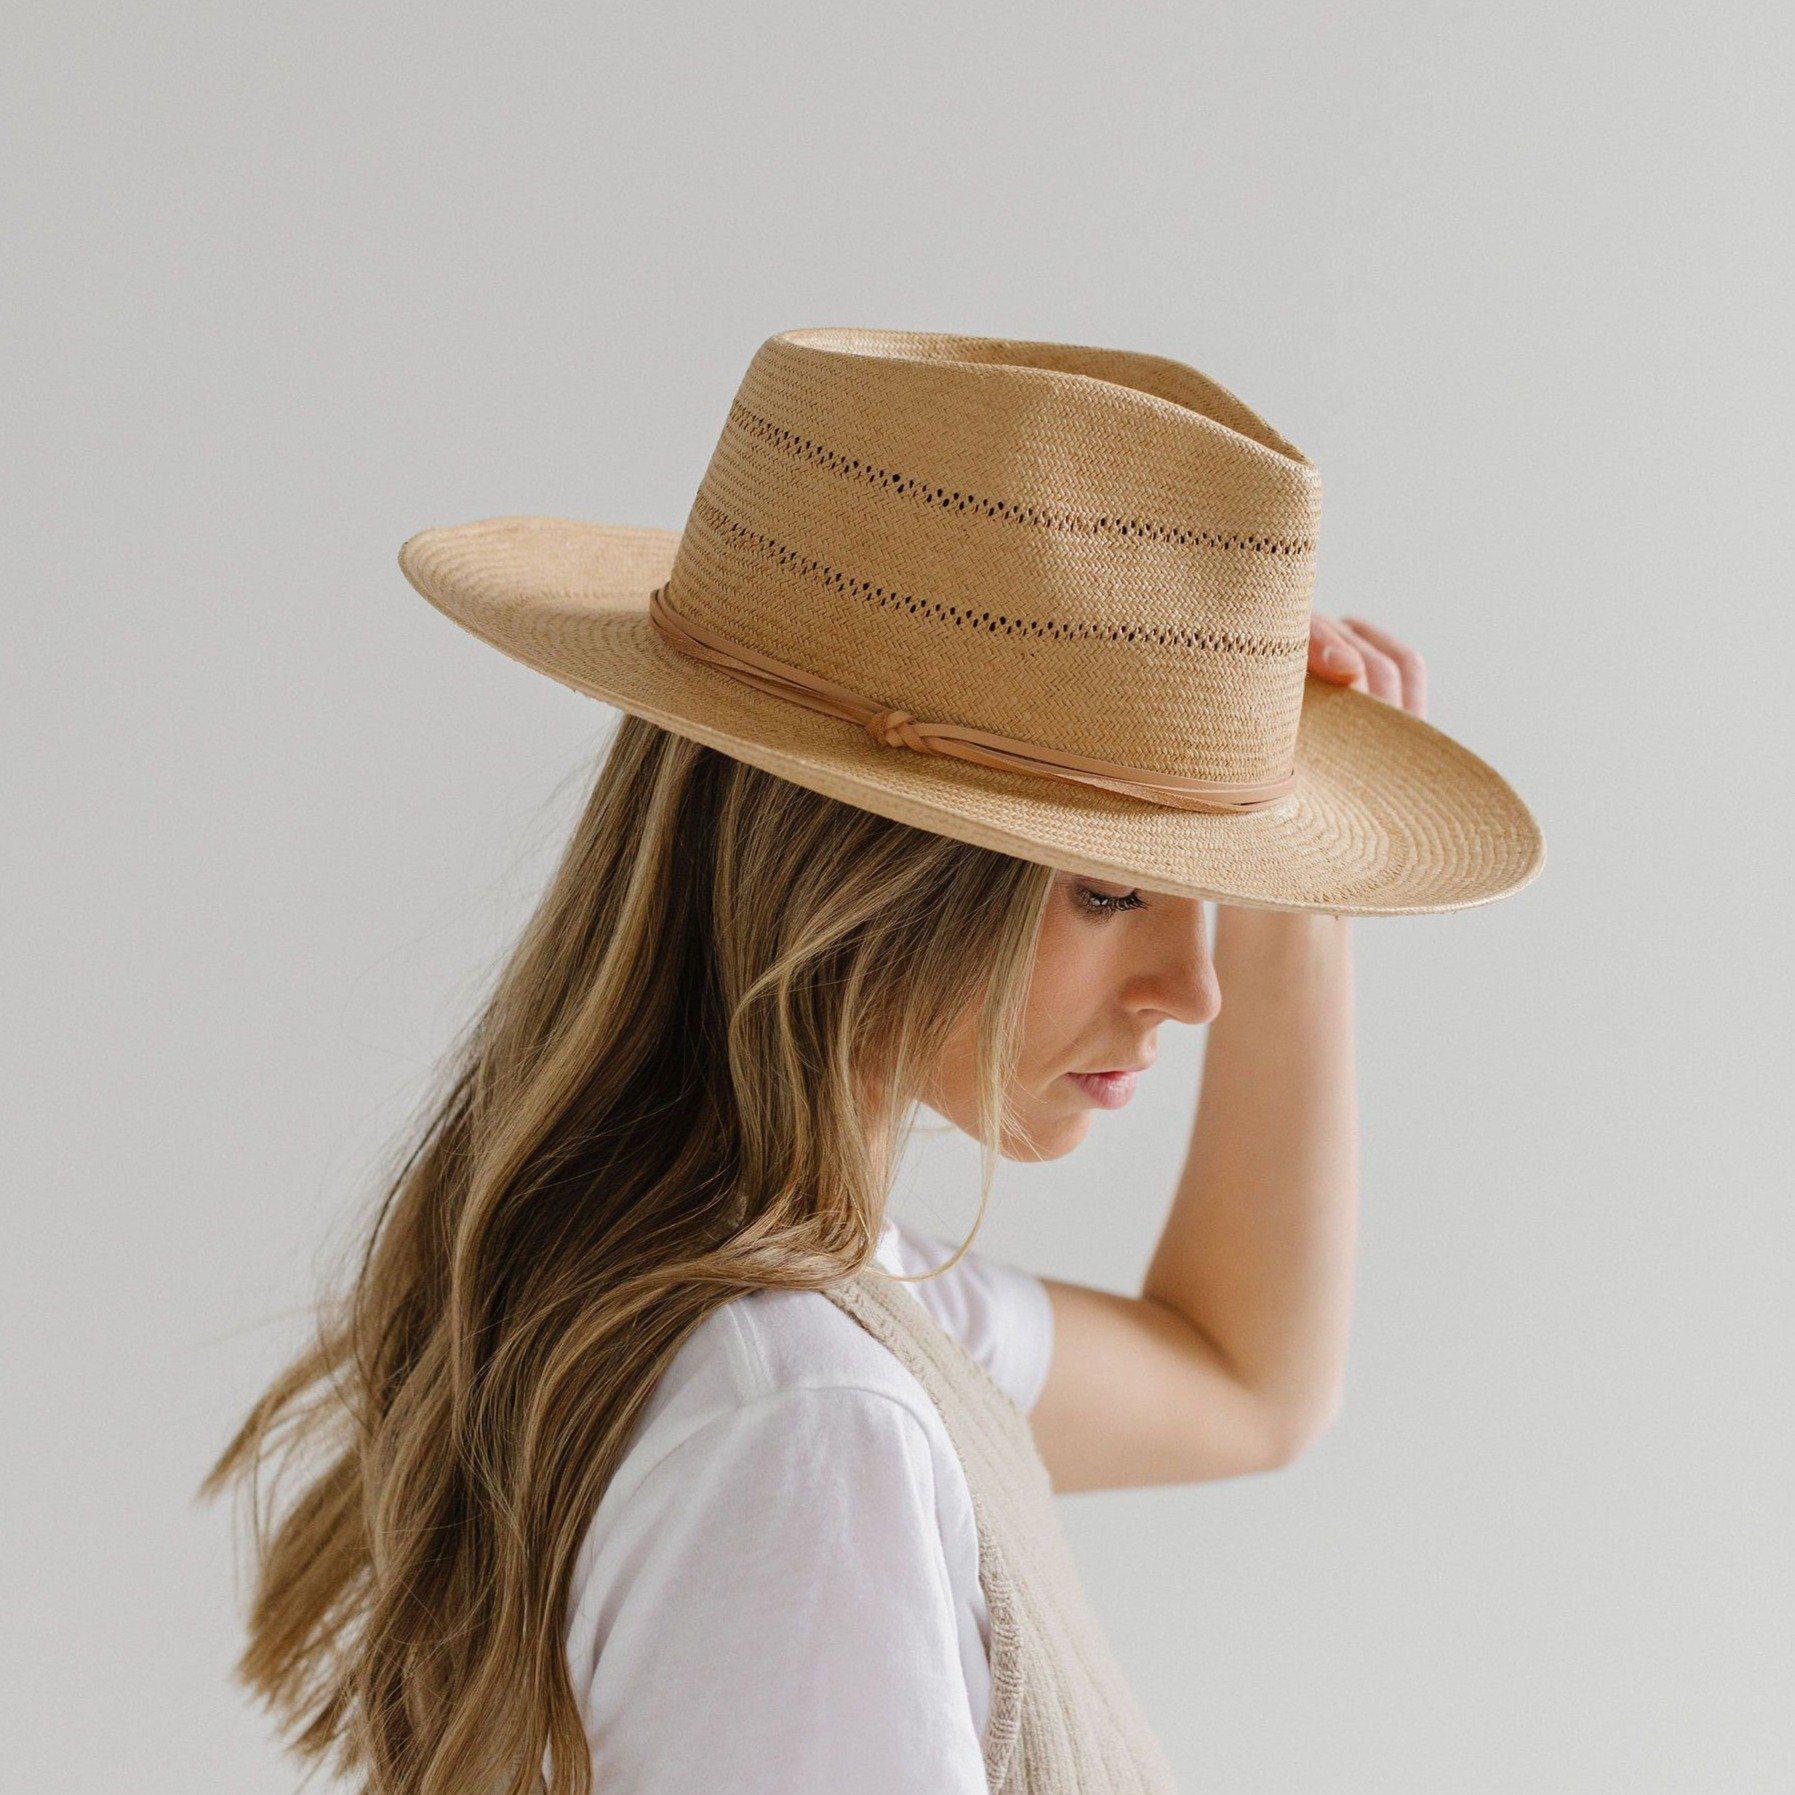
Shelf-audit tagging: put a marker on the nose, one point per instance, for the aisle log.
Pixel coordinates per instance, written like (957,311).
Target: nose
(1182,983)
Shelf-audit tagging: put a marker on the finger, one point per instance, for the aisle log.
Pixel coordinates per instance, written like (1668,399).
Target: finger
(1408,663)
(1331,655)
(1382,679)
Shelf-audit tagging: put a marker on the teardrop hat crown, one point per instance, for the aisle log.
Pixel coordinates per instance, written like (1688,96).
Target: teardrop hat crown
(1047,598)
(1114,570)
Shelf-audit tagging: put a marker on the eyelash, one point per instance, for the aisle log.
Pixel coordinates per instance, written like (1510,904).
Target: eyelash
(1101,903)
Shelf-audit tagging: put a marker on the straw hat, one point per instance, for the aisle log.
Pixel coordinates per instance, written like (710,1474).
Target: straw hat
(1052,600)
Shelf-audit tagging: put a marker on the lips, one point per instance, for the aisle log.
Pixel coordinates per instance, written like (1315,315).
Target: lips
(1108,1090)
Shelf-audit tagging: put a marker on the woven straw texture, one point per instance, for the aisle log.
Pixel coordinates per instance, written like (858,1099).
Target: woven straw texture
(1062,1719)
(1098,552)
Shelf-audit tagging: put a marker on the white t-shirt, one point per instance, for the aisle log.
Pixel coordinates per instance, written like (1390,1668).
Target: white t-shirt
(779,1589)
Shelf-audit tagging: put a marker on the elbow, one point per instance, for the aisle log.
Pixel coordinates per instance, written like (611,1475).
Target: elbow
(1291,1432)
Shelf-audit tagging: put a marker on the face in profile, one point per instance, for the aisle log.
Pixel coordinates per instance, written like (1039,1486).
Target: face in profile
(1111,964)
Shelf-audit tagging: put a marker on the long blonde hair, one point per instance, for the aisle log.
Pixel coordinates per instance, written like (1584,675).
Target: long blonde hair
(688,1082)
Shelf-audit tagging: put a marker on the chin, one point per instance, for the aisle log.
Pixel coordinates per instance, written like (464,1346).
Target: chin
(1053,1139)
(1055,1134)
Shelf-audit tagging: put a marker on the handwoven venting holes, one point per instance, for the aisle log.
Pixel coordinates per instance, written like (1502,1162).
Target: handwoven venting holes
(1068,522)
(1211,641)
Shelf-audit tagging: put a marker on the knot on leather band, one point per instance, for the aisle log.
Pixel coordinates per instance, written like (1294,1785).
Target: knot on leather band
(896,729)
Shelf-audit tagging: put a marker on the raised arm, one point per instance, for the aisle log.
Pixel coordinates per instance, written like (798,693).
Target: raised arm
(1232,1357)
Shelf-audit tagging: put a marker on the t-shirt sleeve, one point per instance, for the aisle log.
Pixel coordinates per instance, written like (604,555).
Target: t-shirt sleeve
(785,1620)
(999,1312)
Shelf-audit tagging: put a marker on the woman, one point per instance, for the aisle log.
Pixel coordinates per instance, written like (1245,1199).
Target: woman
(653,1454)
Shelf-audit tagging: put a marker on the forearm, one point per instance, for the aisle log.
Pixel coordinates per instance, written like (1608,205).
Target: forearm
(1257,1250)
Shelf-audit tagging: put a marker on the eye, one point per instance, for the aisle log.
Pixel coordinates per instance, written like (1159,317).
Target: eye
(1104,903)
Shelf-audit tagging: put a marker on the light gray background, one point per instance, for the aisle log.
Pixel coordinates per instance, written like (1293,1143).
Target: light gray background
(283,284)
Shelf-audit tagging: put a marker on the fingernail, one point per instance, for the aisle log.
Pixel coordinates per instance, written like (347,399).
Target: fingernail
(1339,660)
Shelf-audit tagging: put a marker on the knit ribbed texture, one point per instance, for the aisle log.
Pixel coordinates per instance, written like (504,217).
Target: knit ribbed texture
(1062,1720)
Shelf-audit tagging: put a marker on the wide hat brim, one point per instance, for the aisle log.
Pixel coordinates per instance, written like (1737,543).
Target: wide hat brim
(1389,815)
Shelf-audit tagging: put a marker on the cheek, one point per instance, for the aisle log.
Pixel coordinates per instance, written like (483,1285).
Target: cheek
(1074,986)
(1070,992)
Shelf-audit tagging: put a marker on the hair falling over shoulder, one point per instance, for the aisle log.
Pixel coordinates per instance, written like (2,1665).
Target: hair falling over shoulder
(687,1082)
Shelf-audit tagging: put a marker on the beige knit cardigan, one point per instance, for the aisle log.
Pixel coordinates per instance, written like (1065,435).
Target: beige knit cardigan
(1062,1720)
